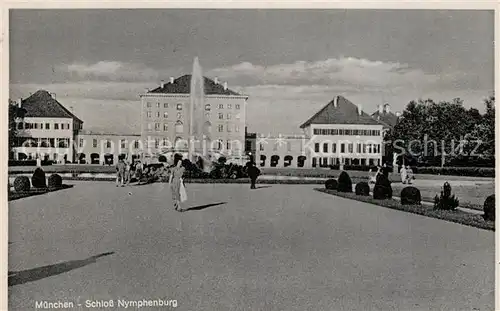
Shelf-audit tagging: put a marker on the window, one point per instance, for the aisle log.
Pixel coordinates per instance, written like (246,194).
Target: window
(150,127)
(157,105)
(221,106)
(237,106)
(316,147)
(94,143)
(47,126)
(165,105)
(228,145)
(157,114)
(122,143)
(342,148)
(261,147)
(157,142)
(314,162)
(220,128)
(228,116)
(36,126)
(165,127)
(236,128)
(358,150)
(179,115)
(229,128)
(80,143)
(148,104)
(325,148)
(179,127)
(229,106)
(179,106)
(207,107)
(157,126)
(108,144)
(364,148)
(334,148)
(136,144)
(149,114)
(165,115)
(351,147)
(316,132)
(56,126)
(221,116)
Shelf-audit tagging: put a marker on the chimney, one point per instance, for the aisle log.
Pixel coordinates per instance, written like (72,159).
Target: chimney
(162,83)
(19,102)
(225,86)
(335,101)
(216,80)
(171,80)
(53,95)
(360,109)
(387,108)
(380,109)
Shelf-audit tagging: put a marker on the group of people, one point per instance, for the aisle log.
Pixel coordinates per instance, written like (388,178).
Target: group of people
(406,174)
(126,170)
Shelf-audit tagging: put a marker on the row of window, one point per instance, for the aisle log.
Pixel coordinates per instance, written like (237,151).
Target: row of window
(179,106)
(180,143)
(149,115)
(179,127)
(361,148)
(41,142)
(346,132)
(276,144)
(42,126)
(108,143)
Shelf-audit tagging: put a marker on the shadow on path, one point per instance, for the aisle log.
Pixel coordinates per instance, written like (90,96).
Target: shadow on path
(202,207)
(31,275)
(262,187)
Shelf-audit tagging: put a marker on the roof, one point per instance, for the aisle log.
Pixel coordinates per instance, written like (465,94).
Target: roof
(345,113)
(387,118)
(182,85)
(43,105)
(92,132)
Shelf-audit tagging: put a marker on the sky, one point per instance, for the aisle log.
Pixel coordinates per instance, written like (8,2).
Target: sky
(289,62)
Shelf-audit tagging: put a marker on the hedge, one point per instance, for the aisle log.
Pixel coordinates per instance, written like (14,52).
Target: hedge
(28,163)
(457,216)
(457,171)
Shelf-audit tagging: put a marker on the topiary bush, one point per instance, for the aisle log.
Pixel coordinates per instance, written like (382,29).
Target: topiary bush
(362,188)
(446,201)
(382,189)
(38,179)
(55,181)
(489,208)
(22,183)
(411,196)
(344,183)
(331,184)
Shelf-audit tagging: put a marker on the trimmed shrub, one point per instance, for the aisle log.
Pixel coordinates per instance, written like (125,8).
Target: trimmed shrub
(362,188)
(38,179)
(55,181)
(331,184)
(162,159)
(411,196)
(489,208)
(446,201)
(22,183)
(344,183)
(382,189)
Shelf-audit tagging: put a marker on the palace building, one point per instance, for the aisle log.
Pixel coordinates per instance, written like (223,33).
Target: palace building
(165,117)
(341,133)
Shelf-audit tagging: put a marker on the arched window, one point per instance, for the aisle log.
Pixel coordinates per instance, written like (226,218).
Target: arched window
(30,143)
(263,160)
(274,160)
(179,127)
(288,160)
(301,160)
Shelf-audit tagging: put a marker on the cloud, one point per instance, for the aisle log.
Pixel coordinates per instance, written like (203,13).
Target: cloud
(346,73)
(111,71)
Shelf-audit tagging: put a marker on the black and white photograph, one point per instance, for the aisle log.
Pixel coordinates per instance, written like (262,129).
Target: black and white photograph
(272,159)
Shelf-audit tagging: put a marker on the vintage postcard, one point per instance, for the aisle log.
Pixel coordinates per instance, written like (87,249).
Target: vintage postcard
(250,158)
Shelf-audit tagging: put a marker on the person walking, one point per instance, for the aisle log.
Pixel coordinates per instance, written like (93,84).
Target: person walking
(177,184)
(120,172)
(253,173)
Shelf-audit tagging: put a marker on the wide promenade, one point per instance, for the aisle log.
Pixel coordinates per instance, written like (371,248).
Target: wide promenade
(280,247)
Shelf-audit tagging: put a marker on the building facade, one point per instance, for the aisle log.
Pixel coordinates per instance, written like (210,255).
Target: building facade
(46,131)
(339,134)
(105,148)
(165,118)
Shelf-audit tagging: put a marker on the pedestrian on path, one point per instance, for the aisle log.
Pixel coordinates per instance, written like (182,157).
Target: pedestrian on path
(177,184)
(253,173)
(120,172)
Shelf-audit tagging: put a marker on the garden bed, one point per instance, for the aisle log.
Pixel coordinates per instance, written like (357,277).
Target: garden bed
(456,216)
(14,195)
(218,181)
